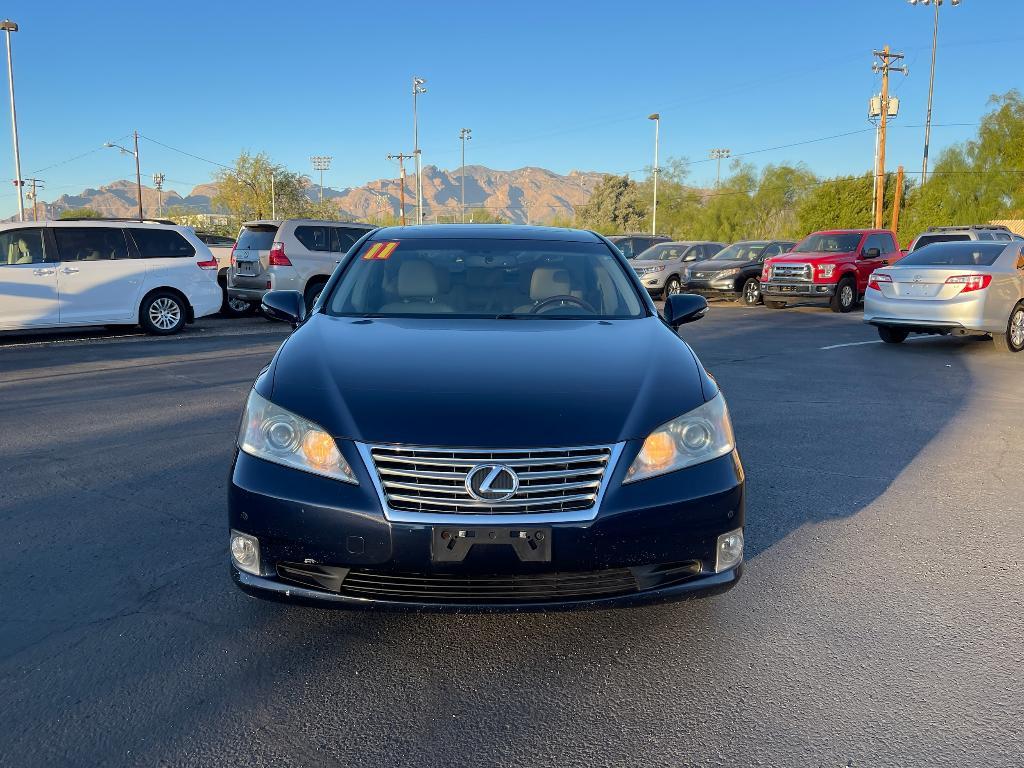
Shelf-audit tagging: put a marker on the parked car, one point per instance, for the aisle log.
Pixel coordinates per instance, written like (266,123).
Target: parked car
(735,271)
(222,247)
(960,288)
(78,273)
(989,232)
(831,266)
(636,243)
(444,429)
(293,254)
(663,267)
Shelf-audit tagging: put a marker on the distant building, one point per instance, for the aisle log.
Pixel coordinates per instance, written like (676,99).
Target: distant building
(200,220)
(1014,225)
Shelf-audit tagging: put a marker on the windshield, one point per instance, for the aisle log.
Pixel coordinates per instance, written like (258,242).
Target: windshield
(664,252)
(953,254)
(485,278)
(825,243)
(741,252)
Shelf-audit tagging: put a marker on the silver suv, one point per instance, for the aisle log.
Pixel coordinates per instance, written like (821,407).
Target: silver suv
(664,268)
(293,255)
(996,232)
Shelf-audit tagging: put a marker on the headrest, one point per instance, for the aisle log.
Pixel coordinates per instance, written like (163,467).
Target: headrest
(547,282)
(417,279)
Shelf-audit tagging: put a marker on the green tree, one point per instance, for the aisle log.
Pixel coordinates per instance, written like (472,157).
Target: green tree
(244,191)
(81,213)
(616,205)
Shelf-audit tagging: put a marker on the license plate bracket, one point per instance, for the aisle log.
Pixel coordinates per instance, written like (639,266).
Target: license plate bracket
(451,543)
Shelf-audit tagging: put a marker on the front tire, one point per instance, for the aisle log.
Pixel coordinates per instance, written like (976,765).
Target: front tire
(752,292)
(672,287)
(845,297)
(1013,339)
(163,313)
(312,293)
(891,335)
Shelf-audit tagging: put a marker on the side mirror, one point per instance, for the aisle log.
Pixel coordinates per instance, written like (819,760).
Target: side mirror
(871,253)
(682,308)
(286,306)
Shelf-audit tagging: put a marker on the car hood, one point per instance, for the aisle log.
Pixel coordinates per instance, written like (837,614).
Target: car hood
(818,257)
(487,383)
(641,263)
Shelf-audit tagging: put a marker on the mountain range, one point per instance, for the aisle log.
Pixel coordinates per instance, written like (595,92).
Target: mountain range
(524,195)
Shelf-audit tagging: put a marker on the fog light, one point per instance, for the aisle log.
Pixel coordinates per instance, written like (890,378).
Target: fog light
(729,552)
(245,552)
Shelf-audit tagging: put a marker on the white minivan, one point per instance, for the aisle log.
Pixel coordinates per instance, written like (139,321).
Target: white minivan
(104,272)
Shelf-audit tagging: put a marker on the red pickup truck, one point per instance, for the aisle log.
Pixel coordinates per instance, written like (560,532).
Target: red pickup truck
(831,266)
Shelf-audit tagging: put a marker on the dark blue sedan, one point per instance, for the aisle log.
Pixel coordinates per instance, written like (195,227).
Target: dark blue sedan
(485,417)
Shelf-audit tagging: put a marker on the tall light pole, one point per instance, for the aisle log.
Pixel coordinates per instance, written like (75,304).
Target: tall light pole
(417,89)
(718,154)
(321,163)
(9,26)
(466,134)
(158,182)
(656,117)
(138,171)
(931,80)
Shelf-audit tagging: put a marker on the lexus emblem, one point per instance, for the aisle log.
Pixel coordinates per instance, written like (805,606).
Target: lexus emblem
(492,482)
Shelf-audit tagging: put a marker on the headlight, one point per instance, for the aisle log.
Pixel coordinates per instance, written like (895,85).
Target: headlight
(649,270)
(272,433)
(826,270)
(703,434)
(728,273)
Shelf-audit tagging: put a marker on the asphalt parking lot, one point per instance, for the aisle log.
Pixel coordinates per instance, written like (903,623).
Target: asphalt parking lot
(878,622)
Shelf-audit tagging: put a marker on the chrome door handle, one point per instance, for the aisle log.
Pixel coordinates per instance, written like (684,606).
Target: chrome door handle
(70,270)
(43,272)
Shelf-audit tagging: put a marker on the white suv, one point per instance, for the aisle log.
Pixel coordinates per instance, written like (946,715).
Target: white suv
(294,255)
(104,272)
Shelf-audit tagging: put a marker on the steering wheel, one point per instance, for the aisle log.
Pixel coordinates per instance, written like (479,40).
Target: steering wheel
(562,298)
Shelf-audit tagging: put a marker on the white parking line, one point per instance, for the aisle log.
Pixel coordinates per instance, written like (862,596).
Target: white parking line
(852,344)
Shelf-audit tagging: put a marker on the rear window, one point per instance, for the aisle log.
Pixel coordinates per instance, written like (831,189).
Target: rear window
(924,240)
(947,254)
(256,238)
(161,243)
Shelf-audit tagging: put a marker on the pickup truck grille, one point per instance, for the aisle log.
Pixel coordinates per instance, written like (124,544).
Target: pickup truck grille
(792,272)
(433,480)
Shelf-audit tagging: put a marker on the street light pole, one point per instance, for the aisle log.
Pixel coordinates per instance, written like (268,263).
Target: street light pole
(321,163)
(656,117)
(417,89)
(931,80)
(9,26)
(465,135)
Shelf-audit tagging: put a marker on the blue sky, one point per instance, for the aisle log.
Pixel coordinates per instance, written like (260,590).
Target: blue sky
(563,85)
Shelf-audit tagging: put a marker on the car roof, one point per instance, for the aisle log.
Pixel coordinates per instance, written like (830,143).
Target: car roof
(850,231)
(91,223)
(486,232)
(279,222)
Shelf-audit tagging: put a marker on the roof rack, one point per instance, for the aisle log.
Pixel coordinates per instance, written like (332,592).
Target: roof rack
(117,218)
(961,227)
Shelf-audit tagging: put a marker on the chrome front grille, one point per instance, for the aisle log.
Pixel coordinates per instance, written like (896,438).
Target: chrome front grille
(432,481)
(800,272)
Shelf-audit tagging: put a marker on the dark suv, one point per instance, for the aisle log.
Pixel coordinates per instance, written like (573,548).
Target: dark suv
(735,272)
(633,245)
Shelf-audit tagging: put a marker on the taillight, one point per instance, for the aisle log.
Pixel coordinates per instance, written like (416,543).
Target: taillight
(211,264)
(970,282)
(876,278)
(277,257)
(234,261)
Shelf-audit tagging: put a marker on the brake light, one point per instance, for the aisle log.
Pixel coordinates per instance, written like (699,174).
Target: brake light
(277,257)
(210,264)
(234,261)
(970,282)
(876,278)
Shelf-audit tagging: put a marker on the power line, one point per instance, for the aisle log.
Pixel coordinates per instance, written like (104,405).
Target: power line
(183,152)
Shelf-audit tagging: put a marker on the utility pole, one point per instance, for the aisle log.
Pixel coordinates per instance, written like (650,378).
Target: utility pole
(401,158)
(417,89)
(158,182)
(465,135)
(33,196)
(9,26)
(897,199)
(321,163)
(875,111)
(884,65)
(656,117)
(717,155)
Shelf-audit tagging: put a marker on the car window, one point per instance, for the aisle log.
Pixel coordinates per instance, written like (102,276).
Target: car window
(314,238)
(469,277)
(969,254)
(985,236)
(741,252)
(1001,236)
(256,238)
(22,246)
(772,250)
(161,243)
(343,238)
(924,240)
(90,243)
(663,252)
(882,242)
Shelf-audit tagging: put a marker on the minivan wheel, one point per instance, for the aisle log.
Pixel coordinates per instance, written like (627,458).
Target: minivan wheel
(312,293)
(672,286)
(1013,339)
(162,313)
(845,297)
(891,335)
(775,304)
(752,292)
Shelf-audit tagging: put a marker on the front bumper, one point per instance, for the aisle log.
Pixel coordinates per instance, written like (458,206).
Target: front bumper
(781,290)
(655,539)
(716,289)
